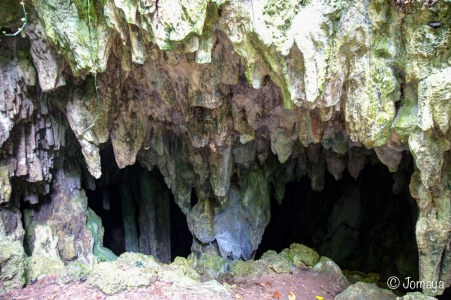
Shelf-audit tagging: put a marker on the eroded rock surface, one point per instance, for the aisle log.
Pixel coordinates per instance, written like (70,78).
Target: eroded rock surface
(227,98)
(362,290)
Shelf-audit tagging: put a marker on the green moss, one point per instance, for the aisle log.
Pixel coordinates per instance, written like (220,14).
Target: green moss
(276,263)
(185,267)
(130,271)
(211,265)
(12,265)
(279,7)
(73,272)
(382,48)
(298,255)
(245,269)
(356,276)
(39,266)
(94,225)
(45,259)
(272,263)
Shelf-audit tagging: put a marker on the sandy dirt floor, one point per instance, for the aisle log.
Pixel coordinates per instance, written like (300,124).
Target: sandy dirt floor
(301,285)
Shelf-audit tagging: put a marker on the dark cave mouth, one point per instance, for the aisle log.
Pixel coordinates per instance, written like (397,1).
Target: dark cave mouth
(363,224)
(138,211)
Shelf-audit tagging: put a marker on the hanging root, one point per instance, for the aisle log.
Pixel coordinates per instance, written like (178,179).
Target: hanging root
(95,75)
(24,20)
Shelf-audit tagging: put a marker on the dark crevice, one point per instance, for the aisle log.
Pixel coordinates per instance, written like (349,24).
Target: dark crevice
(138,211)
(181,237)
(360,224)
(111,218)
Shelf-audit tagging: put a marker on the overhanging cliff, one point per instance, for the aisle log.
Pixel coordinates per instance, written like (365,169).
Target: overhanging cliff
(229,98)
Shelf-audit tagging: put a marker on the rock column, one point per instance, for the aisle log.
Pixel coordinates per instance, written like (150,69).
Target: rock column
(154,221)
(129,219)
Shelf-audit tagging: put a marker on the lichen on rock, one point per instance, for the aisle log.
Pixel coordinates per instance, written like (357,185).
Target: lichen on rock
(94,225)
(211,265)
(12,265)
(361,290)
(231,99)
(129,271)
(45,259)
(271,262)
(299,255)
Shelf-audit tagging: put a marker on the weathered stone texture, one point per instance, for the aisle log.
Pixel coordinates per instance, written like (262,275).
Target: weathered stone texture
(227,98)
(12,265)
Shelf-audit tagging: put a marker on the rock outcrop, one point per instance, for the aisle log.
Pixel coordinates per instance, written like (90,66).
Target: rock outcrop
(233,99)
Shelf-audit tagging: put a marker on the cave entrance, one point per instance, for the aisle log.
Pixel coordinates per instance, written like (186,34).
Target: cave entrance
(365,224)
(138,210)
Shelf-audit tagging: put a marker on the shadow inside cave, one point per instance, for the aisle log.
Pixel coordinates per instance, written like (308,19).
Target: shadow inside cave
(365,224)
(138,210)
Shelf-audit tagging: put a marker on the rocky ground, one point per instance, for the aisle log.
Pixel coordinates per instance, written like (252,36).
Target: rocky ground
(229,101)
(297,272)
(304,285)
(301,285)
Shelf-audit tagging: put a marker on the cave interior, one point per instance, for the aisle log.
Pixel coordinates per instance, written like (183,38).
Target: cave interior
(365,224)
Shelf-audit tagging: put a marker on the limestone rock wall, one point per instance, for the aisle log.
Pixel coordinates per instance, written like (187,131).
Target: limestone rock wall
(228,98)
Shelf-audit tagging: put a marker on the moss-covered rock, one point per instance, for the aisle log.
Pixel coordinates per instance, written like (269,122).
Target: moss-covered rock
(356,276)
(94,225)
(299,255)
(184,268)
(363,291)
(73,272)
(415,296)
(245,269)
(275,263)
(45,259)
(211,265)
(130,271)
(365,68)
(269,264)
(12,265)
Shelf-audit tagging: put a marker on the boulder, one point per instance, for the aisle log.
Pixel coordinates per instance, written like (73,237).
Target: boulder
(246,269)
(356,276)
(272,263)
(211,265)
(328,267)
(72,273)
(45,259)
(182,267)
(94,225)
(364,291)
(12,265)
(299,255)
(130,271)
(415,296)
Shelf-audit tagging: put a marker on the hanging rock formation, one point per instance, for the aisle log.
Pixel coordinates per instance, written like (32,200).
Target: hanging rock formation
(226,97)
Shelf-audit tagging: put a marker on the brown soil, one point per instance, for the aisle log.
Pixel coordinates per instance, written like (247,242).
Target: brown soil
(304,285)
